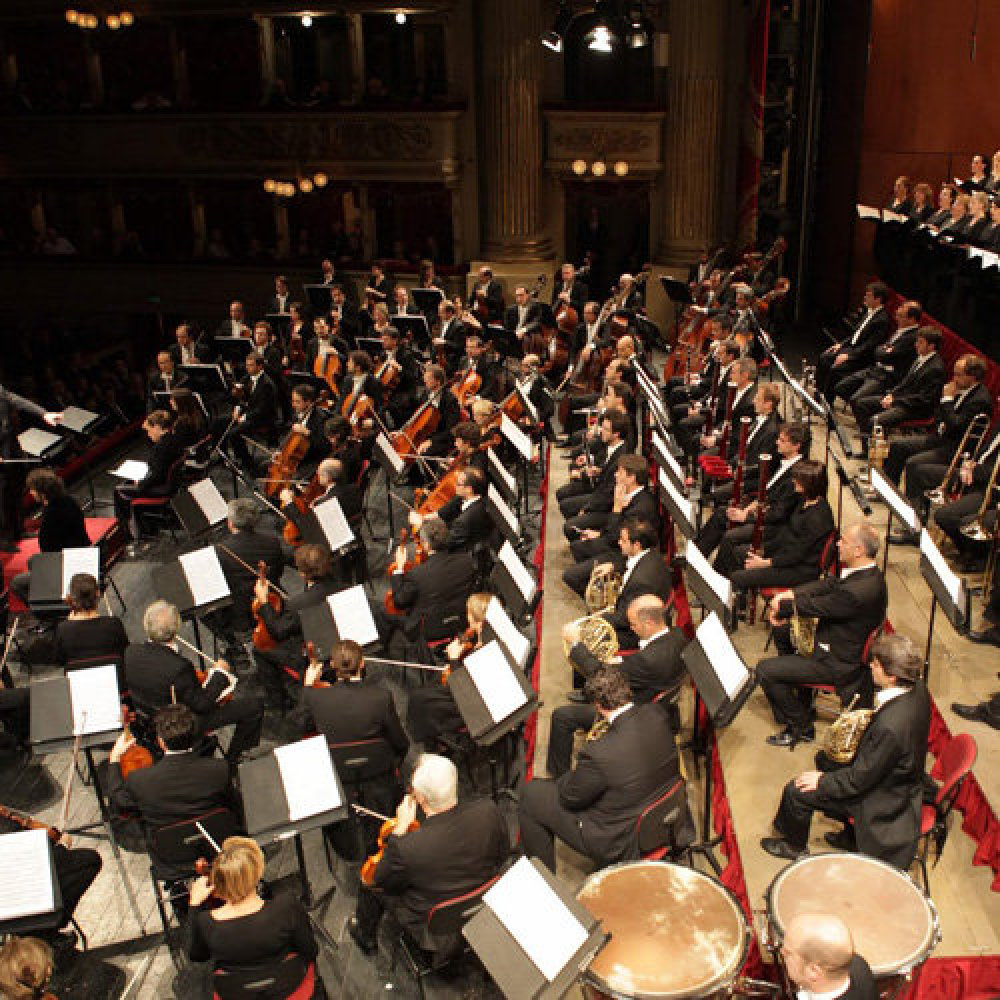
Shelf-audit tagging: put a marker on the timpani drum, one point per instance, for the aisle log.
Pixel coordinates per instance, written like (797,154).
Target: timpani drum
(675,932)
(893,922)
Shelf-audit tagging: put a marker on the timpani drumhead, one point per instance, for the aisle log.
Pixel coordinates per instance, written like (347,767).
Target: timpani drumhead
(674,931)
(894,925)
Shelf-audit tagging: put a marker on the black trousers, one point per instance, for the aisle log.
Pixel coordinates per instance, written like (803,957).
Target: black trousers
(584,519)
(951,516)
(868,411)
(15,712)
(76,869)
(867,382)
(796,810)
(566,721)
(906,452)
(773,576)
(271,673)
(542,818)
(734,539)
(246,713)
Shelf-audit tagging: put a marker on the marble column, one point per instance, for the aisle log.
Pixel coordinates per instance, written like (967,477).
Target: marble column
(510,134)
(696,94)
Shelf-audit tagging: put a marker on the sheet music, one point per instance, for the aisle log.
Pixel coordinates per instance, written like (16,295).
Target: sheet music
(867,212)
(204,575)
(893,500)
(131,469)
(505,512)
(497,466)
(519,573)
(352,614)
(953,584)
(308,778)
(210,501)
(81,560)
(516,436)
(990,259)
(536,918)
(685,507)
(721,586)
(889,215)
(384,445)
(668,463)
(494,678)
(25,875)
(507,632)
(95,700)
(336,530)
(729,668)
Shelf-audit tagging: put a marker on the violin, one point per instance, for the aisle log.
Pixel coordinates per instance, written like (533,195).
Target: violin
(419,555)
(27,823)
(262,639)
(288,459)
(136,757)
(313,659)
(371,863)
(470,643)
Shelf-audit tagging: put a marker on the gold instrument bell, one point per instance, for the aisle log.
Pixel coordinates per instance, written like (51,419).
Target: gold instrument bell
(598,635)
(845,732)
(802,630)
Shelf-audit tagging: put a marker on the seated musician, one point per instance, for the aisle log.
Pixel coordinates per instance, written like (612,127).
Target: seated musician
(157,676)
(616,395)
(85,636)
(450,341)
(818,955)
(849,607)
(733,525)
(308,419)
(235,325)
(879,794)
(440,396)
(478,365)
(586,500)
(323,342)
(431,709)
(164,455)
(256,416)
(343,447)
(470,526)
(457,847)
(469,448)
(656,667)
(487,293)
(857,350)
(524,317)
(742,376)
(632,498)
(181,785)
(537,389)
(246,929)
(315,566)
(690,418)
(269,348)
(923,457)
(401,302)
(401,398)
(166,378)
(595,807)
(360,397)
(186,350)
(434,593)
(61,525)
(344,314)
(790,553)
(76,869)
(683,390)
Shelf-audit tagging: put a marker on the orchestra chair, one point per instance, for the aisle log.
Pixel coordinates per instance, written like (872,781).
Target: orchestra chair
(289,976)
(655,826)
(158,510)
(668,700)
(444,923)
(174,850)
(199,459)
(827,565)
(952,768)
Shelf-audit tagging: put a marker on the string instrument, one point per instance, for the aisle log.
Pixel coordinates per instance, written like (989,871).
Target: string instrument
(27,823)
(262,639)
(388,374)
(302,503)
(470,643)
(468,385)
(535,343)
(764,472)
(781,288)
(362,409)
(419,555)
(558,353)
(136,757)
(445,490)
(296,351)
(313,660)
(416,430)
(330,368)
(289,457)
(386,831)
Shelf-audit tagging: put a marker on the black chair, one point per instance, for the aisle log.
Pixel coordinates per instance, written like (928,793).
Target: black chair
(267,980)
(656,825)
(157,509)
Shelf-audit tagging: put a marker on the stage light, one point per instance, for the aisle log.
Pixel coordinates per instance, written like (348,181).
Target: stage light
(579,167)
(599,168)
(400,17)
(113,21)
(270,185)
(553,39)
(91,21)
(305,185)
(621,167)
(127,18)
(306,20)
(600,39)
(320,180)
(73,16)
(636,38)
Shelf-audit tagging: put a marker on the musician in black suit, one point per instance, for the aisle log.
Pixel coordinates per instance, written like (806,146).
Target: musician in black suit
(308,419)
(742,377)
(479,363)
(690,411)
(914,397)
(440,396)
(180,785)
(791,554)
(257,414)
(458,847)
(881,790)
(595,807)
(569,290)
(434,592)
(586,500)
(849,608)
(157,675)
(632,499)
(857,350)
(402,398)
(524,317)
(186,350)
(344,314)
(315,566)
(281,301)
(731,525)
(891,361)
(236,325)
(656,667)
(817,953)
(343,447)
(450,341)
(166,377)
(467,515)
(962,401)
(490,291)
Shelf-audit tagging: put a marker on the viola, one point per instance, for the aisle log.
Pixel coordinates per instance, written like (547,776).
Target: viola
(302,503)
(289,457)
(262,639)
(27,823)
(419,555)
(371,863)
(136,757)
(313,659)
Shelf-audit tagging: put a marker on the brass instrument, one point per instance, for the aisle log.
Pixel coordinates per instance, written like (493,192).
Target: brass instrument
(598,729)
(602,591)
(845,732)
(976,531)
(596,633)
(802,630)
(945,492)
(878,448)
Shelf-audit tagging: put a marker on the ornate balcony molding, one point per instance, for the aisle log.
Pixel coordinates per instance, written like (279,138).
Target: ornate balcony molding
(634,136)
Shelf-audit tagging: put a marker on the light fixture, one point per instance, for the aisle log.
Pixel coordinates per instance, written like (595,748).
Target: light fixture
(600,39)
(270,185)
(306,20)
(599,168)
(320,180)
(127,18)
(113,21)
(400,17)
(72,16)
(579,167)
(621,167)
(92,21)
(553,39)
(305,185)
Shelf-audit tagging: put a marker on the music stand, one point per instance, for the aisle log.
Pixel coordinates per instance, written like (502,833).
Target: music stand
(515,583)
(678,292)
(324,524)
(948,590)
(504,481)
(510,933)
(51,573)
(414,327)
(281,323)
(680,510)
(427,299)
(204,378)
(200,507)
(384,452)
(710,587)
(234,349)
(503,516)
(522,445)
(723,682)
(896,506)
(195,584)
(515,644)
(39,444)
(346,614)
(666,461)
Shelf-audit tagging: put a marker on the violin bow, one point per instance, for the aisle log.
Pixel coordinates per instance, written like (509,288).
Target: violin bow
(232,555)
(5,676)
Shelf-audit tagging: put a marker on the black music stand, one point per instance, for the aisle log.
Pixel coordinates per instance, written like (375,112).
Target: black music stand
(523,446)
(505,482)
(234,349)
(518,647)
(344,615)
(40,445)
(319,297)
(47,596)
(948,590)
(723,682)
(503,517)
(200,507)
(394,467)
(415,328)
(85,424)
(204,378)
(281,323)
(324,524)
(174,584)
(427,299)
(32,919)
(515,583)
(498,942)
(678,292)
(680,510)
(710,587)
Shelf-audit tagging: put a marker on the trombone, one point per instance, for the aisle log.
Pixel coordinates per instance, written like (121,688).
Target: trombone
(946,491)
(976,530)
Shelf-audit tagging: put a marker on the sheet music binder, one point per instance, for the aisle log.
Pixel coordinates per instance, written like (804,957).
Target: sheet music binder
(387,456)
(51,719)
(79,420)
(704,590)
(266,808)
(189,512)
(958,613)
(204,378)
(414,327)
(312,531)
(501,478)
(38,443)
(171,584)
(669,496)
(508,964)
(320,628)
(502,515)
(474,711)
(720,707)
(35,921)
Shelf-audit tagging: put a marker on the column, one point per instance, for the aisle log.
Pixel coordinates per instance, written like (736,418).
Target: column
(95,72)
(356,47)
(693,144)
(510,138)
(268,62)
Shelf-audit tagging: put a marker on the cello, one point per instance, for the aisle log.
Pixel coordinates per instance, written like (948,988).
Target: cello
(286,461)
(416,430)
(419,556)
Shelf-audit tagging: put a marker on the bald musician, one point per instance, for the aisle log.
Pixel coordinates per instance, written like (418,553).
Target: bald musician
(818,952)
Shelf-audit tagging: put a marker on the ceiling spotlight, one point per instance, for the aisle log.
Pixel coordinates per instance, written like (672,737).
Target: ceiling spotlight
(306,20)
(579,167)
(621,167)
(400,17)
(601,38)
(270,185)
(553,39)
(320,180)
(127,18)
(72,16)
(599,168)
(305,185)
(113,21)
(91,21)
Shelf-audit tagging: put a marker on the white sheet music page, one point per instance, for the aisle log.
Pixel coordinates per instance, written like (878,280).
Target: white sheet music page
(210,501)
(352,614)
(867,212)
(25,875)
(131,469)
(515,436)
(509,635)
(683,505)
(81,560)
(729,668)
(519,573)
(697,561)
(95,700)
(893,500)
(536,918)
(505,512)
(501,471)
(384,445)
(494,678)
(337,531)
(204,575)
(308,778)
(666,459)
(953,584)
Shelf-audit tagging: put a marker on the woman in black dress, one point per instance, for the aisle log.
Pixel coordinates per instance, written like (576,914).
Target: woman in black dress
(86,636)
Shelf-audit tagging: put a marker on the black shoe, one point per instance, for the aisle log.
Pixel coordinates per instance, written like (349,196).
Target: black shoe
(841,840)
(976,713)
(789,737)
(904,538)
(367,944)
(778,847)
(576,696)
(987,637)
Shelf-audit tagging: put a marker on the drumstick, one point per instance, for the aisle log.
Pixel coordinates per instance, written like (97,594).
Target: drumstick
(247,566)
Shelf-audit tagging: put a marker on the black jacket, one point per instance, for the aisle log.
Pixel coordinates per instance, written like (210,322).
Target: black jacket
(260,407)
(62,526)
(577,295)
(466,528)
(860,344)
(650,576)
(436,591)
(89,638)
(953,417)
(602,493)
(452,853)
(156,674)
(919,390)
(348,711)
(799,541)
(894,357)
(489,373)
(616,777)
(162,457)
(654,668)
(642,506)
(532,318)
(284,625)
(252,547)
(883,786)
(451,414)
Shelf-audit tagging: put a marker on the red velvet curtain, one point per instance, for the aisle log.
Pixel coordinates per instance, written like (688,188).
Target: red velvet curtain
(752,124)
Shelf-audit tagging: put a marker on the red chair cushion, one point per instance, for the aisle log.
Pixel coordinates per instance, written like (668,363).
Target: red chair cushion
(928,816)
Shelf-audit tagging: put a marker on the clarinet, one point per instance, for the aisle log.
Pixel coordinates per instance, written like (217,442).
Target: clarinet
(741,461)
(727,425)
(764,471)
(713,399)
